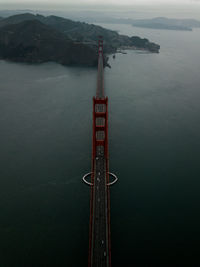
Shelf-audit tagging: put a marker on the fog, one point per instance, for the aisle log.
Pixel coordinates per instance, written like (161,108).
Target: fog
(102,2)
(84,9)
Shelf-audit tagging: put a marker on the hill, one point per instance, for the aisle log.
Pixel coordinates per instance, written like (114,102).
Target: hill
(167,24)
(83,32)
(32,41)
(36,38)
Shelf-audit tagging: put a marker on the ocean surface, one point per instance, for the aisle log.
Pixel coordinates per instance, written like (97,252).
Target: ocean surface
(154,143)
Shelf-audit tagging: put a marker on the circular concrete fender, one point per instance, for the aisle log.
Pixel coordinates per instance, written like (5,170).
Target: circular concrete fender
(115,177)
(84,179)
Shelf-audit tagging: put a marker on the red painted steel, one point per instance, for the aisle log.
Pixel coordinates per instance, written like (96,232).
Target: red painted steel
(91,216)
(95,143)
(97,128)
(100,114)
(100,45)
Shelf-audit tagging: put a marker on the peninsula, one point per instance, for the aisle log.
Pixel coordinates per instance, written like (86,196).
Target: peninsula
(36,39)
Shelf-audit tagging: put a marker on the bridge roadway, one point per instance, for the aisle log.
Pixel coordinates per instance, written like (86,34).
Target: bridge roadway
(100,231)
(100,251)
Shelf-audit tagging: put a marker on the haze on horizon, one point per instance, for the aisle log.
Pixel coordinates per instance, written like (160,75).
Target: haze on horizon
(77,9)
(102,2)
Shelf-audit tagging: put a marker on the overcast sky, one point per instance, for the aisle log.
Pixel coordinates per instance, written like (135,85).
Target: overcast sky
(131,2)
(118,2)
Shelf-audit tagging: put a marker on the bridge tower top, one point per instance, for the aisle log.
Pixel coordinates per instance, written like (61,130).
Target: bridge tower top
(100,45)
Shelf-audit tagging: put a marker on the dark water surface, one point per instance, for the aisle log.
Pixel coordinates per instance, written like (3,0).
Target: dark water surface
(154,139)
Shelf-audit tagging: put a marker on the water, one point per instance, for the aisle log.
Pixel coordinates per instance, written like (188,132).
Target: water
(45,149)
(46,127)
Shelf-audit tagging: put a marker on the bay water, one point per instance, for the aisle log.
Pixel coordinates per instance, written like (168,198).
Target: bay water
(154,130)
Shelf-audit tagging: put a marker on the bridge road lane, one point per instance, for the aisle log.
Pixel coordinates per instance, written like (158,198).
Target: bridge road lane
(100,249)
(100,244)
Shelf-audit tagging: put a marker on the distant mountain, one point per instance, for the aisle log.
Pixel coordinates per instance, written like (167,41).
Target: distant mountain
(154,23)
(167,24)
(36,38)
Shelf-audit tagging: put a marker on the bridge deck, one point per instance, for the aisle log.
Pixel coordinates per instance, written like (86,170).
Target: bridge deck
(99,254)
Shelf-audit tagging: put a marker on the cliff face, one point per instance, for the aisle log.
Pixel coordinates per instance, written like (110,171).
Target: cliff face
(32,41)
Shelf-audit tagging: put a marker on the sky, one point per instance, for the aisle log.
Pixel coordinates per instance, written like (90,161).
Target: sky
(116,2)
(132,2)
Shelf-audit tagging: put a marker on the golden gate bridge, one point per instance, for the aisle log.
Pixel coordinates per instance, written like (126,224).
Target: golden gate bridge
(99,231)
